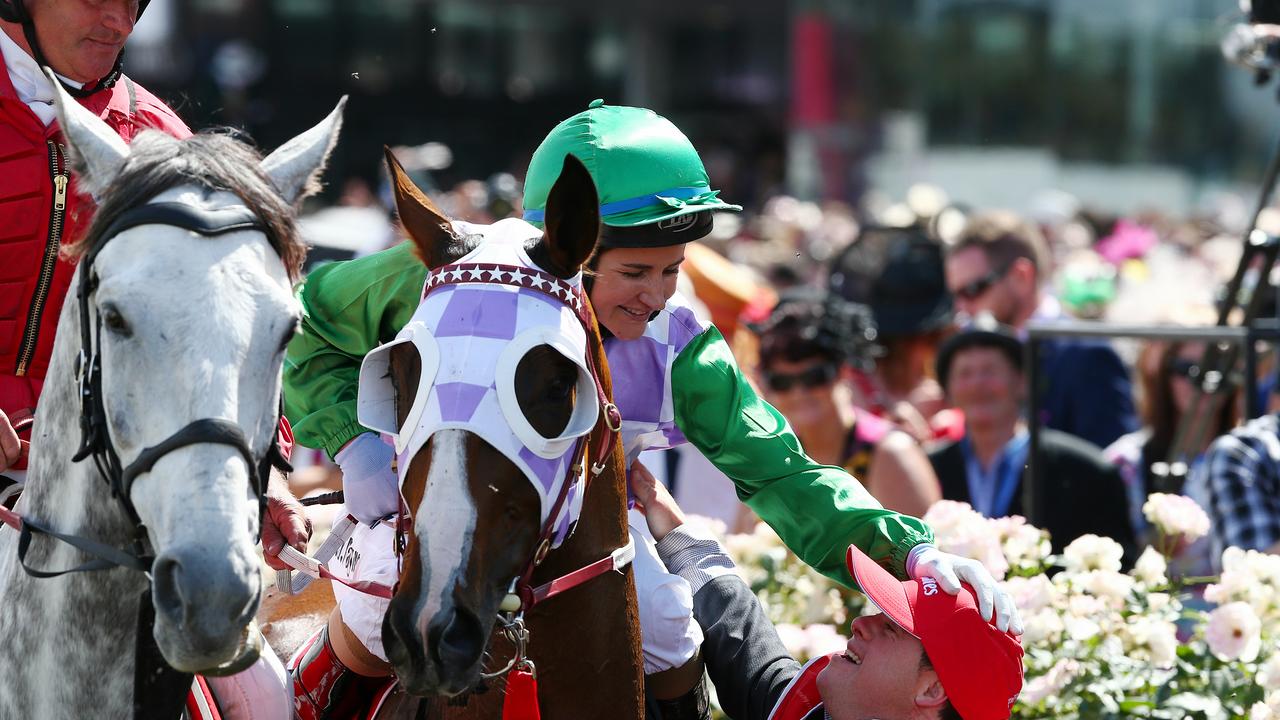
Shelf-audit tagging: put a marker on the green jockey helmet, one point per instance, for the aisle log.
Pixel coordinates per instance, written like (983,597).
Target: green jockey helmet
(653,188)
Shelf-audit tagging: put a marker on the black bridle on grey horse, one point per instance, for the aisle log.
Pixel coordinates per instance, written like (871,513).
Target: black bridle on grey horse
(157,686)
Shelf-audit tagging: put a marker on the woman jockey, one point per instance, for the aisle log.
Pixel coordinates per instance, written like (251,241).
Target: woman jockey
(675,381)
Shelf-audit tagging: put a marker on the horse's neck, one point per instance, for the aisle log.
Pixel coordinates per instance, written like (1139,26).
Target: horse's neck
(605,607)
(68,640)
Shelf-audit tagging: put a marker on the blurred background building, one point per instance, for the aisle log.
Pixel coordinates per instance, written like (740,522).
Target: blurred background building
(1124,105)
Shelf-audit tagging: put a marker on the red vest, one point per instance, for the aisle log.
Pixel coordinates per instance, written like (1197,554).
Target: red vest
(41,210)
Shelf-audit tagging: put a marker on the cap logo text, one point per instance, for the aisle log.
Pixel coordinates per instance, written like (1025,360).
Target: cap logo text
(929,585)
(676,224)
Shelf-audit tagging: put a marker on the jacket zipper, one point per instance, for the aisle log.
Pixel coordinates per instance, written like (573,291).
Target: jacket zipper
(58,172)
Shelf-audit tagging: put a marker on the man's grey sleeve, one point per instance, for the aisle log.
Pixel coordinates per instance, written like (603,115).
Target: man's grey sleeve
(745,658)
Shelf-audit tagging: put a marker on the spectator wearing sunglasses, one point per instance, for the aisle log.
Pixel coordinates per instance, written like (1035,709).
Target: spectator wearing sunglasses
(998,265)
(981,369)
(805,344)
(1167,372)
(898,273)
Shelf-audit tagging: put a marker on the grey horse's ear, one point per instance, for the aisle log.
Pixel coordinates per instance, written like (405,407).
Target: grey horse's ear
(97,152)
(295,167)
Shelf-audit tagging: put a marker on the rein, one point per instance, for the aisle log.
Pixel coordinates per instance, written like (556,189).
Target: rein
(154,678)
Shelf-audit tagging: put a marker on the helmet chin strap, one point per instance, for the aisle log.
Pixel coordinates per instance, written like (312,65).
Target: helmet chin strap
(29,30)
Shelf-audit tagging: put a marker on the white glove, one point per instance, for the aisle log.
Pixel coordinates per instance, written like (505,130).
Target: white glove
(950,570)
(369,489)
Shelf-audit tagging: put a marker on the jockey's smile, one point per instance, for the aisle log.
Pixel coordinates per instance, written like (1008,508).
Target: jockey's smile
(633,283)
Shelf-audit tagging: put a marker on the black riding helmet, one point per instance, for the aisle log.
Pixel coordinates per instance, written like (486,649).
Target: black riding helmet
(15,11)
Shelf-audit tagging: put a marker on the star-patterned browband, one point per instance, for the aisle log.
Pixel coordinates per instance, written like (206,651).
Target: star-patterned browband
(514,276)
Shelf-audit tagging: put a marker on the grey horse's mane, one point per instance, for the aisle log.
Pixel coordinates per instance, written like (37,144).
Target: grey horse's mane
(217,161)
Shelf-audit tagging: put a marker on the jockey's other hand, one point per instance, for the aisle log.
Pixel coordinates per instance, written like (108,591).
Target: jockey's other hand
(286,522)
(654,500)
(950,570)
(370,490)
(11,449)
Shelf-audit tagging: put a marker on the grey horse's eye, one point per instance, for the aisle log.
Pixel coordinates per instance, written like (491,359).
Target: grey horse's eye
(114,321)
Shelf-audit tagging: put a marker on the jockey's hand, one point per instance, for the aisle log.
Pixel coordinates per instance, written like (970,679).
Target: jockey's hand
(11,449)
(286,522)
(652,498)
(950,570)
(370,490)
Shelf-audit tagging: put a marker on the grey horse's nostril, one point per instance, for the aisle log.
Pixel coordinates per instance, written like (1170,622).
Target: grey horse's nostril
(457,641)
(166,581)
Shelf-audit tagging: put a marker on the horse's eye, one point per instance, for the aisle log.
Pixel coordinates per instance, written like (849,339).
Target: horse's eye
(561,386)
(115,322)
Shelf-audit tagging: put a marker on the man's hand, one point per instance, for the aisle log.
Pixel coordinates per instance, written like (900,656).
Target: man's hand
(950,570)
(11,449)
(285,523)
(652,498)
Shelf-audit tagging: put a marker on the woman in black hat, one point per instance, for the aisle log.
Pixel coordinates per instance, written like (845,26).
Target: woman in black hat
(898,273)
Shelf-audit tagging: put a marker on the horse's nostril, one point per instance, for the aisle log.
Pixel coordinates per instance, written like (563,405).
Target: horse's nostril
(166,580)
(457,641)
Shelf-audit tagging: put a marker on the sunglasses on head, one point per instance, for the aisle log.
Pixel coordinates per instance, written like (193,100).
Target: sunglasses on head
(974,289)
(816,376)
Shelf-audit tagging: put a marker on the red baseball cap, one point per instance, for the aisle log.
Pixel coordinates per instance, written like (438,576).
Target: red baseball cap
(979,666)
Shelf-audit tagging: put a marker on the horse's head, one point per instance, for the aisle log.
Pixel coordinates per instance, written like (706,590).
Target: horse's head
(488,393)
(187,316)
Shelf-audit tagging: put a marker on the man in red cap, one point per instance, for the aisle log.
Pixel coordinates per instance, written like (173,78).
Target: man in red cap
(928,654)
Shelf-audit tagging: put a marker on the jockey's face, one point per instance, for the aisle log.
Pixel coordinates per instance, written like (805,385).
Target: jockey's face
(82,38)
(633,283)
(880,675)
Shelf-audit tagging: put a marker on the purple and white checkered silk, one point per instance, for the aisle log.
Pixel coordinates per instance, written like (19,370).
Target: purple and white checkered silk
(471,336)
(641,369)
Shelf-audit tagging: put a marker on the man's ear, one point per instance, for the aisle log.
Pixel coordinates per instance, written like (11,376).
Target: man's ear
(929,692)
(1023,272)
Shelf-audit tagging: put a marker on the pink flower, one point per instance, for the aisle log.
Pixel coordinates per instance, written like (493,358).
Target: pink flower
(1234,632)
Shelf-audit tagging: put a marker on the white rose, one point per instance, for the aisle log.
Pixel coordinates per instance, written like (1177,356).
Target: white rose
(1091,552)
(1151,568)
(1114,586)
(1158,637)
(1049,684)
(1268,676)
(1234,632)
(823,640)
(1043,627)
(1176,515)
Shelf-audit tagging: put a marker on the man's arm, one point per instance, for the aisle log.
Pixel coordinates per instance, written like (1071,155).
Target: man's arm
(1101,398)
(745,658)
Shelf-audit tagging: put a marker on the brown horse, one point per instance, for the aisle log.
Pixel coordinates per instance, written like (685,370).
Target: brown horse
(477,522)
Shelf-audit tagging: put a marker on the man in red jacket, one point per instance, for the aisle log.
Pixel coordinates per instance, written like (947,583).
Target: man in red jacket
(40,206)
(41,209)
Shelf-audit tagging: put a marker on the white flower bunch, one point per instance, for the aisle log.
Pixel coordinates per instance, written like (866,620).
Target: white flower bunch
(1178,518)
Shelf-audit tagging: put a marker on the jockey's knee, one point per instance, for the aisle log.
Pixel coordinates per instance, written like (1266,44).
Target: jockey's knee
(351,651)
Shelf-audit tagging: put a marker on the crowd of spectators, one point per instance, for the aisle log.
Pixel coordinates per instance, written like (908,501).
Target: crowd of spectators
(892,339)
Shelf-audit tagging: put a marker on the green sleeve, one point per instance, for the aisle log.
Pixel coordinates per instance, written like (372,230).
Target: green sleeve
(817,510)
(348,309)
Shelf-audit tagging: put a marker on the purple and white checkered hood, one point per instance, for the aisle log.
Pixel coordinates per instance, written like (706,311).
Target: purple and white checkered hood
(471,337)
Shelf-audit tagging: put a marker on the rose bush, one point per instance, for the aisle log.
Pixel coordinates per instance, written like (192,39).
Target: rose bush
(1100,643)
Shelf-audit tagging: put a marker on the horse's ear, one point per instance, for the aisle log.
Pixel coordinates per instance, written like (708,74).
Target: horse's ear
(295,167)
(97,152)
(426,224)
(572,219)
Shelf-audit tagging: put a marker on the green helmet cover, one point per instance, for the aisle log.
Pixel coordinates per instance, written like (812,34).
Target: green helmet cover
(645,170)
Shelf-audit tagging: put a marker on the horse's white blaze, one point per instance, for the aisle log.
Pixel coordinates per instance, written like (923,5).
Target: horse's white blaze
(445,522)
